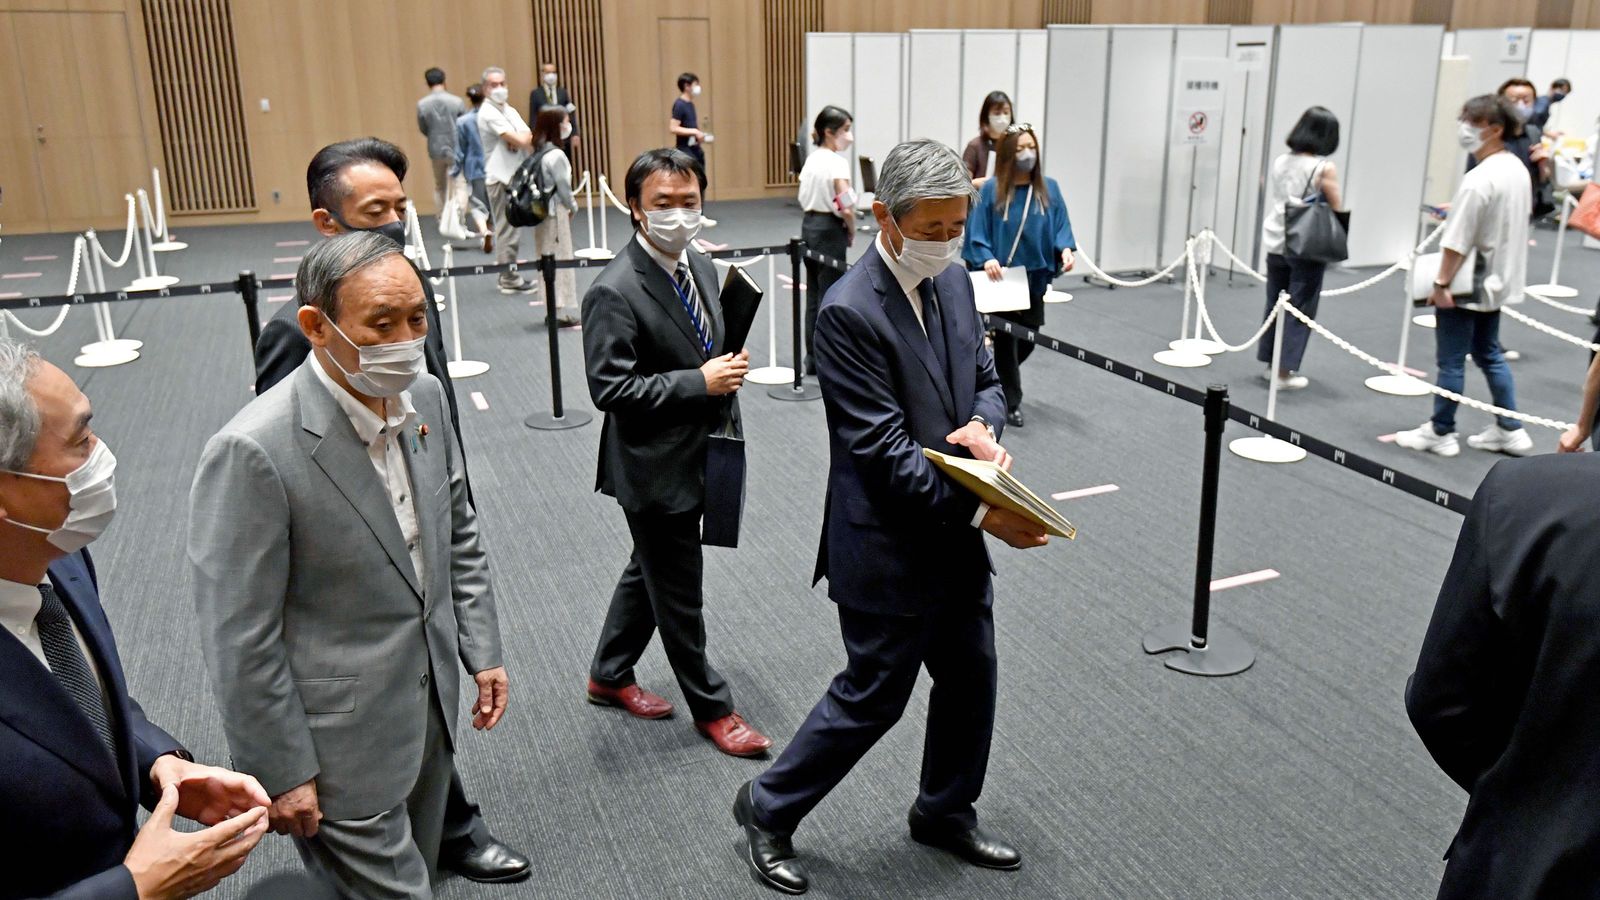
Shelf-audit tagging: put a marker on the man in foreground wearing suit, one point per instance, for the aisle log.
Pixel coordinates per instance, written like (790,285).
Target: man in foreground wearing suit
(80,756)
(1504,695)
(903,365)
(356,185)
(340,579)
(652,343)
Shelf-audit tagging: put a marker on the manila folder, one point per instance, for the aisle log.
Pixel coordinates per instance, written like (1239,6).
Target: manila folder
(996,487)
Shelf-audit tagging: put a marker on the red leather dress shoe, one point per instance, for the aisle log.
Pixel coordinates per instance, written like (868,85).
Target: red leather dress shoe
(734,736)
(636,700)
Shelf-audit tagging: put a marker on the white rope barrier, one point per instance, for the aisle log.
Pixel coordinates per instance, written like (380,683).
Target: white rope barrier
(1564,307)
(78,246)
(1393,369)
(605,190)
(1096,271)
(1197,284)
(1551,330)
(127,243)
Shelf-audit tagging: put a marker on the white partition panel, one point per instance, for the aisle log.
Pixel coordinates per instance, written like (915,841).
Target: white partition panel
(1547,58)
(1032,63)
(879,98)
(1446,160)
(1197,167)
(1075,116)
(934,88)
(830,76)
(1495,53)
(1577,114)
(1244,138)
(1138,98)
(988,63)
(1388,139)
(1316,67)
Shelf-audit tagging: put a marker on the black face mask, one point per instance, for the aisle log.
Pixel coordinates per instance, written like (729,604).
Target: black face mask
(394,231)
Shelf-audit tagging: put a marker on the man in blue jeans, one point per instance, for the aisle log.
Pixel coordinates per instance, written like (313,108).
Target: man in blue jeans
(1487,229)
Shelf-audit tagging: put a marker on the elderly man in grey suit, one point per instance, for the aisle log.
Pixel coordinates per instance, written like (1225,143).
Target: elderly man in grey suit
(339,577)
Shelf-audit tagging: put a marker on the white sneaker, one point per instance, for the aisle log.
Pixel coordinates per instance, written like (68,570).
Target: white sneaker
(1425,439)
(1292,383)
(1498,440)
(1511,355)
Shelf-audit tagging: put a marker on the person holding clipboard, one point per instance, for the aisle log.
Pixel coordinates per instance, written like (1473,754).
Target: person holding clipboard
(1020,220)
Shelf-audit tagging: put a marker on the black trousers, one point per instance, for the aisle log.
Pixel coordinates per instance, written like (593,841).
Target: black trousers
(660,590)
(463,823)
(825,233)
(864,701)
(1302,278)
(1009,352)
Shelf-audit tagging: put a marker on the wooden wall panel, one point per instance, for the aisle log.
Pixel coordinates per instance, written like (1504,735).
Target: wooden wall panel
(787,22)
(568,33)
(1493,13)
(1068,12)
(1228,12)
(903,15)
(1137,12)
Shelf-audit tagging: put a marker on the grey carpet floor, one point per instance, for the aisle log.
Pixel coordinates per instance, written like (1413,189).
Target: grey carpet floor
(1116,777)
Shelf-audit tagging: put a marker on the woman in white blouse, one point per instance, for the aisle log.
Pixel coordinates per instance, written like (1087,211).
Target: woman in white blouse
(830,215)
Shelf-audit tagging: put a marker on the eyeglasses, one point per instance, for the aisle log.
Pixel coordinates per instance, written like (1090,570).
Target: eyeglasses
(1019,128)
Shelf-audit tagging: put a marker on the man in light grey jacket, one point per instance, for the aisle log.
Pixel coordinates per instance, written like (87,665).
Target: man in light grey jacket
(339,577)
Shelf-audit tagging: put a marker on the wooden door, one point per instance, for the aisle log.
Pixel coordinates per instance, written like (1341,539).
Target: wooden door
(685,46)
(21,200)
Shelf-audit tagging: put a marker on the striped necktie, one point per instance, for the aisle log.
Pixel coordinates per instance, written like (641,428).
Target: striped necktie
(68,665)
(690,296)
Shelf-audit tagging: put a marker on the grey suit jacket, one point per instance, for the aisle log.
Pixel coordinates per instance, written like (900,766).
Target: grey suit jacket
(323,648)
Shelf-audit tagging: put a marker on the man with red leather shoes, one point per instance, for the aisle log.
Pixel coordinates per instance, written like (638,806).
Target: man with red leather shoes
(652,344)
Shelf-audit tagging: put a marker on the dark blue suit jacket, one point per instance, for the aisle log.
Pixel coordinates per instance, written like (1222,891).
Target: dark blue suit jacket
(69,812)
(897,536)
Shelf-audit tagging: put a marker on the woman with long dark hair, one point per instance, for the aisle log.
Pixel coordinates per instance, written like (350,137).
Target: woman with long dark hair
(994,117)
(830,214)
(1020,219)
(554,235)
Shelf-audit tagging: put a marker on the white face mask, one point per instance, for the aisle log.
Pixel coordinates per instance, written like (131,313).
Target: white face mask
(92,503)
(1026,160)
(383,370)
(499,95)
(926,259)
(1524,110)
(695,90)
(550,78)
(999,122)
(566,130)
(1470,136)
(844,139)
(671,230)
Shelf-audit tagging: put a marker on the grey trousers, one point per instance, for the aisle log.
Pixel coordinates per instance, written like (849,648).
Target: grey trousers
(393,855)
(505,236)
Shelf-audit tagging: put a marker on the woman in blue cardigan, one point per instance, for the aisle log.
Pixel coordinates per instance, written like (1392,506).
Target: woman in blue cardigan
(1020,220)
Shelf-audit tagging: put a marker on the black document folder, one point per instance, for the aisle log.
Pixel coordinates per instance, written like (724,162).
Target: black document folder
(740,300)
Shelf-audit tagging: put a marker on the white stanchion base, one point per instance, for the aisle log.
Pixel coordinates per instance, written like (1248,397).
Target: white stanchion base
(153,282)
(1182,359)
(770,375)
(593,253)
(1426,320)
(119,345)
(1057,297)
(466,368)
(101,357)
(1398,385)
(1266,449)
(1197,345)
(168,246)
(1552,291)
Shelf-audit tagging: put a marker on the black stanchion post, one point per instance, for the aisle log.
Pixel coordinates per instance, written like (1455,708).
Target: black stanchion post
(799,390)
(250,292)
(558,419)
(1210,649)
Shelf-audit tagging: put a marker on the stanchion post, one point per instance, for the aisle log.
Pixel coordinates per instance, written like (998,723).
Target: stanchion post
(799,390)
(558,419)
(250,292)
(1209,648)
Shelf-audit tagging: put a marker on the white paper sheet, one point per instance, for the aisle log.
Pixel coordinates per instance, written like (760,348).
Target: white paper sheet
(1008,294)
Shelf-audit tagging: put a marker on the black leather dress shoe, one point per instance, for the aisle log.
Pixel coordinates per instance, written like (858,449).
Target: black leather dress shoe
(490,863)
(973,845)
(1014,418)
(770,854)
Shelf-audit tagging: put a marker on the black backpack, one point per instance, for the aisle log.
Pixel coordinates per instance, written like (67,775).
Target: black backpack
(531,191)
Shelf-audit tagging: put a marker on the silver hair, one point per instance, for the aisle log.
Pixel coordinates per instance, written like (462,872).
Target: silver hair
(492,70)
(19,414)
(922,169)
(330,262)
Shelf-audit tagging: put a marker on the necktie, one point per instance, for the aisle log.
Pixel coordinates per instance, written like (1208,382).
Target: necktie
(66,660)
(690,296)
(933,321)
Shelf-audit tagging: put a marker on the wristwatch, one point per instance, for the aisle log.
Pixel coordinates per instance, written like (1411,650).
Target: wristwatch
(986,425)
(1442,285)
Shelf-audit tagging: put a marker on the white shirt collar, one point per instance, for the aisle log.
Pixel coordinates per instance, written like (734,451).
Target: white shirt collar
(669,263)
(19,606)
(366,422)
(905,277)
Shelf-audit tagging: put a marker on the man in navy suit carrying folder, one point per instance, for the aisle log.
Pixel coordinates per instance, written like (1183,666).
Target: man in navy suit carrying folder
(903,365)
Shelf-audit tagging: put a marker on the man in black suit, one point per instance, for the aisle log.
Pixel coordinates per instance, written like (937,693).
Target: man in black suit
(1505,693)
(552,92)
(652,344)
(356,185)
(80,756)
(903,366)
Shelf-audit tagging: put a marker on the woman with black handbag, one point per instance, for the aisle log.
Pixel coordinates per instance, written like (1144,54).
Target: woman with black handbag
(1303,231)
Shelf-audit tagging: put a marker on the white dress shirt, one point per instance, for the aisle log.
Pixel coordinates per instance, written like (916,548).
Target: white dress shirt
(670,263)
(385,440)
(19,608)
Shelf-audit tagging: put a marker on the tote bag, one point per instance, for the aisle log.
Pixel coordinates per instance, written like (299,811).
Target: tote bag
(1586,218)
(1314,230)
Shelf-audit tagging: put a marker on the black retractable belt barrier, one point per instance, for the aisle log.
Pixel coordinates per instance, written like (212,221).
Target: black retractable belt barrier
(250,292)
(799,390)
(559,418)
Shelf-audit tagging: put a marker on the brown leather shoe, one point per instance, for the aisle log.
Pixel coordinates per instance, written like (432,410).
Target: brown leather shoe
(636,700)
(734,736)
(488,242)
